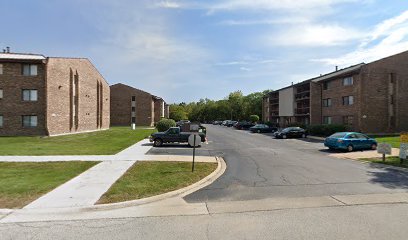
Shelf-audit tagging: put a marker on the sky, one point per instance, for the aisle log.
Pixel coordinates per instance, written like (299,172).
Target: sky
(185,50)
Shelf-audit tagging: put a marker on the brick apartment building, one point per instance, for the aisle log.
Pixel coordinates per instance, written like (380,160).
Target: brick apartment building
(51,96)
(371,98)
(131,105)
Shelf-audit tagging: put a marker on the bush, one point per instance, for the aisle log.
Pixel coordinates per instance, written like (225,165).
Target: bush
(326,129)
(165,124)
(254,118)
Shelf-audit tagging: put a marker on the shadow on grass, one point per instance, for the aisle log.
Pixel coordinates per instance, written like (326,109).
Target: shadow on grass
(389,177)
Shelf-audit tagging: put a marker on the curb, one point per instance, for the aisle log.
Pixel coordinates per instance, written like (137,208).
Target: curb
(176,193)
(377,165)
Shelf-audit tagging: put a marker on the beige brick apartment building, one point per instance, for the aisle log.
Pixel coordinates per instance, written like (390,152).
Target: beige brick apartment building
(371,98)
(51,96)
(131,105)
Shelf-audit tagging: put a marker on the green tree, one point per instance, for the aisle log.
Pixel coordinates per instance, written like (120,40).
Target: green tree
(254,118)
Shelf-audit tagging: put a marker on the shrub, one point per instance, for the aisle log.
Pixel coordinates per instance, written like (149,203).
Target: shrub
(326,129)
(254,118)
(165,124)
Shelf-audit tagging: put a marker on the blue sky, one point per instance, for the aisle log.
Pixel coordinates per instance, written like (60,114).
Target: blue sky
(186,50)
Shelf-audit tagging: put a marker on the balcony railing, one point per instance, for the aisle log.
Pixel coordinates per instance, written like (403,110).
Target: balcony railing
(302,111)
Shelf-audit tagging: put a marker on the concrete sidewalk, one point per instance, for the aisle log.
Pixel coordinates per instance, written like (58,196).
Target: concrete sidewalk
(85,189)
(363,154)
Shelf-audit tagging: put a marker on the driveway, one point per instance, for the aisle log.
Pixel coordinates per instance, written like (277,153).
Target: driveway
(259,166)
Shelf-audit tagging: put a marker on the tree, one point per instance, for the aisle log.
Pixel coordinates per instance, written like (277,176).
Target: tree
(177,112)
(254,118)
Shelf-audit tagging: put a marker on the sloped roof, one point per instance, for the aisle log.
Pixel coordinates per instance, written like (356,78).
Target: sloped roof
(338,73)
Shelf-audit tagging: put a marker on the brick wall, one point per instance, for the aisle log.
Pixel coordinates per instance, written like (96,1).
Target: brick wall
(61,73)
(376,93)
(12,106)
(336,92)
(158,108)
(121,96)
(315,103)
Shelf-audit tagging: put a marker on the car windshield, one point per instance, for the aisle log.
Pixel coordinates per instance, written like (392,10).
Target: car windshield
(338,135)
(287,129)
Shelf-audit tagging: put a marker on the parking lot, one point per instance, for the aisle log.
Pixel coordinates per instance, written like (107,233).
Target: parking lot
(260,166)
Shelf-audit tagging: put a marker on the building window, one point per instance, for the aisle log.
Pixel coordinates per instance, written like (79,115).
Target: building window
(348,100)
(1,93)
(391,98)
(133,119)
(327,102)
(29,121)
(326,85)
(348,81)
(133,109)
(1,68)
(348,120)
(30,95)
(327,120)
(30,70)
(133,98)
(1,121)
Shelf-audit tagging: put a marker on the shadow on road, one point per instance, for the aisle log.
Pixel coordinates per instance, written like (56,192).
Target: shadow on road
(389,177)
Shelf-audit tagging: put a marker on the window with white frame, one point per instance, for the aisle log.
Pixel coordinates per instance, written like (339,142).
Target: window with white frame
(1,68)
(348,81)
(30,69)
(30,121)
(1,93)
(30,95)
(1,121)
(327,120)
(348,100)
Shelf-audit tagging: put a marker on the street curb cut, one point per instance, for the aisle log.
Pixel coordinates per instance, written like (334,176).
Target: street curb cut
(219,171)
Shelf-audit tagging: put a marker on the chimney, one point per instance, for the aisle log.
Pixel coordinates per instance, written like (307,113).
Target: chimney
(337,68)
(8,49)
(4,50)
(292,83)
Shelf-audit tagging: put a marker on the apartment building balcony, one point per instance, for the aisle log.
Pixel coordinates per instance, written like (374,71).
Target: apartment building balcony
(302,111)
(276,113)
(302,96)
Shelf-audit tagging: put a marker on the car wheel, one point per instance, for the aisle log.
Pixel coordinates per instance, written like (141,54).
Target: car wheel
(284,136)
(350,148)
(259,131)
(303,135)
(373,146)
(158,142)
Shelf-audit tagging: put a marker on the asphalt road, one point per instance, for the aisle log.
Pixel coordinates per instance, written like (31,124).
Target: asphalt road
(259,166)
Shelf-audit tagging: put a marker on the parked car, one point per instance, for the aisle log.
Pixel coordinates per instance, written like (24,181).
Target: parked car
(262,128)
(291,132)
(182,122)
(244,125)
(173,135)
(350,141)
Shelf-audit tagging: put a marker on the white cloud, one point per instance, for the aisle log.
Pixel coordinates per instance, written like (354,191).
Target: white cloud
(245,69)
(314,35)
(283,20)
(168,4)
(387,38)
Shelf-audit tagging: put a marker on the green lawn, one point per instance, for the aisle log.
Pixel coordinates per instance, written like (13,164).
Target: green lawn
(146,179)
(393,140)
(393,161)
(21,183)
(105,142)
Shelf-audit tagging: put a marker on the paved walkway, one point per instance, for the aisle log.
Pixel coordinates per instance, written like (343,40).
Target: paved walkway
(363,154)
(85,189)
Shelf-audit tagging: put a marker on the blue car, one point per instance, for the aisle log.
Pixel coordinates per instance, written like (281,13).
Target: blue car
(350,141)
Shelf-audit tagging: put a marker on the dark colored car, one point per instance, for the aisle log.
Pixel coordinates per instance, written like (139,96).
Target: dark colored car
(182,122)
(350,141)
(244,125)
(291,132)
(173,135)
(230,123)
(262,128)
